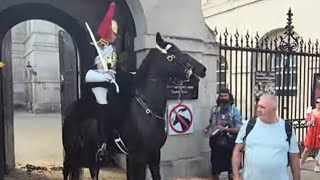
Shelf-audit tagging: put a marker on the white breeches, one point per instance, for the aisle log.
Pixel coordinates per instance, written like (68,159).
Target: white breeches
(99,76)
(101,94)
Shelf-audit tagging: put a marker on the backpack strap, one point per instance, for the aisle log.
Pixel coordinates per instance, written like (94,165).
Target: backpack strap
(213,114)
(249,127)
(288,127)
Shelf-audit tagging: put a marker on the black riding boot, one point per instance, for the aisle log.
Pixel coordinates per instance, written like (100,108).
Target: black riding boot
(102,118)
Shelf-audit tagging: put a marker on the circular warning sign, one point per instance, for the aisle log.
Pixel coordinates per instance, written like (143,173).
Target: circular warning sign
(180,118)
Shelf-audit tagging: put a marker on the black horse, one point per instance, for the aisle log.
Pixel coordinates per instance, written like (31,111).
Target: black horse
(144,130)
(140,110)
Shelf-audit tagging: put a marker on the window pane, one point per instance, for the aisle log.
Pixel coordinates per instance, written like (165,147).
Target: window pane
(223,77)
(220,86)
(278,60)
(221,64)
(294,69)
(286,80)
(278,70)
(273,61)
(278,80)
(293,61)
(294,80)
(221,67)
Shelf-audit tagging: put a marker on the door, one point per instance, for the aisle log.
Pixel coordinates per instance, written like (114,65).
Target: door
(68,71)
(7,91)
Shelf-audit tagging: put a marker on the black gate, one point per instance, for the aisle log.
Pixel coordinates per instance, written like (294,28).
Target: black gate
(280,62)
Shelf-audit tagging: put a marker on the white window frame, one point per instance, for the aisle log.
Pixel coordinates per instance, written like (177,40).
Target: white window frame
(222,71)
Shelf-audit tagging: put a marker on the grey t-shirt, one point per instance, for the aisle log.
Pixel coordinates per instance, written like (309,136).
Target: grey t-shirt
(266,151)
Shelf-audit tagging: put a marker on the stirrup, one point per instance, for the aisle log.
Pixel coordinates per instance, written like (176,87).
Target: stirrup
(120,144)
(104,146)
(101,154)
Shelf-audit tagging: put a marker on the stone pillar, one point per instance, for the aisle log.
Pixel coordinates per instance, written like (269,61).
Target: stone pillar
(42,58)
(189,155)
(18,66)
(181,22)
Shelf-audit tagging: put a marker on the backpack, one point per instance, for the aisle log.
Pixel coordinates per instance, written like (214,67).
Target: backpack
(288,128)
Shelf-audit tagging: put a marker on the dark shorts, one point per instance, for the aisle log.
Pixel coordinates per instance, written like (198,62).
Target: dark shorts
(220,160)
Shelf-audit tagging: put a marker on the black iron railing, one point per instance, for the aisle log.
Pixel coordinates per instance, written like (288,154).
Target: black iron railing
(279,62)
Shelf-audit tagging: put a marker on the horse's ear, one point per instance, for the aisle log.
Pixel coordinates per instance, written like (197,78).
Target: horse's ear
(160,41)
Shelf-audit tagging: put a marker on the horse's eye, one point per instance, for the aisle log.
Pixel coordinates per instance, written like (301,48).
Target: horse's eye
(189,65)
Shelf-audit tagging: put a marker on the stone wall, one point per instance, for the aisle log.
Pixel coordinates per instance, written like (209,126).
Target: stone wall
(182,155)
(18,66)
(263,16)
(36,66)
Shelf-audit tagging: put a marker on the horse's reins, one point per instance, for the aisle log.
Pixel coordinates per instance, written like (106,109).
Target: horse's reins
(180,92)
(187,69)
(144,105)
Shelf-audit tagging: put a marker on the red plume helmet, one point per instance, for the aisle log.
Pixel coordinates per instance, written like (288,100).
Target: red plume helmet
(105,28)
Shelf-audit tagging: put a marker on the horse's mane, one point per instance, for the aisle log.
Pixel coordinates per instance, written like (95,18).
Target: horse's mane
(144,67)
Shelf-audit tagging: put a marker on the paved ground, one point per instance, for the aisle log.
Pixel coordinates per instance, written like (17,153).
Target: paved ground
(38,139)
(307,172)
(38,144)
(39,151)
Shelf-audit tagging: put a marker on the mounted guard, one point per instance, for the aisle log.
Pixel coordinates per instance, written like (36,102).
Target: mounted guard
(102,76)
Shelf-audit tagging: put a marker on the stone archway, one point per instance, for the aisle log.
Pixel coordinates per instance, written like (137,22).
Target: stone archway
(70,15)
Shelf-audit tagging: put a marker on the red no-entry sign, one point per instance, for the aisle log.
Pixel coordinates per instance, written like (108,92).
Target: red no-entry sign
(180,119)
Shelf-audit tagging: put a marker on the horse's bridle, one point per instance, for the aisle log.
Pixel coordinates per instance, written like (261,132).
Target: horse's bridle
(144,105)
(187,67)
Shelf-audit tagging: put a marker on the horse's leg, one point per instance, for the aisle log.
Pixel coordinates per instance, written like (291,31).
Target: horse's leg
(154,165)
(94,172)
(75,173)
(136,167)
(66,167)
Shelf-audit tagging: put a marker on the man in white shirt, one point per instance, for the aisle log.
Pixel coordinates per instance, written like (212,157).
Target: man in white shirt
(266,147)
